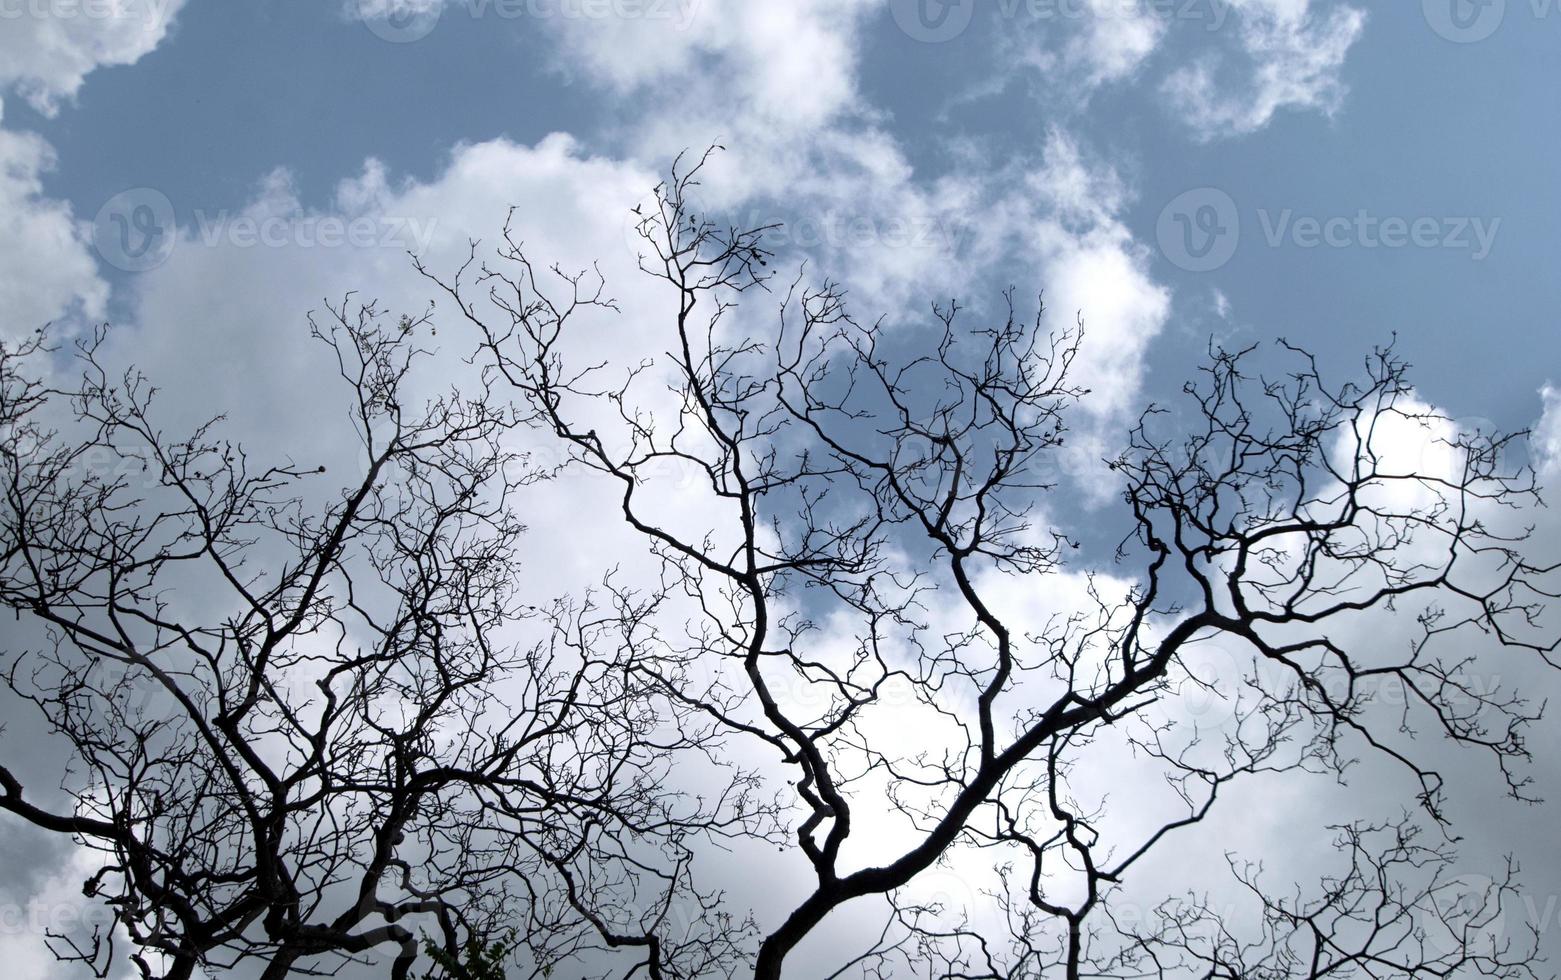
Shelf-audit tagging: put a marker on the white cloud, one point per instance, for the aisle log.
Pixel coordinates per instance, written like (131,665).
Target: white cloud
(1115,44)
(1290,56)
(1068,221)
(46,268)
(246,300)
(48,47)
(777,84)
(723,62)
(1547,434)
(790,64)
(57,907)
(1229,66)
(1221,304)
(1110,41)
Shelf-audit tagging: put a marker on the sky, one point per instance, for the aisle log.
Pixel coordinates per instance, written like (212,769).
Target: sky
(1320,111)
(1173,173)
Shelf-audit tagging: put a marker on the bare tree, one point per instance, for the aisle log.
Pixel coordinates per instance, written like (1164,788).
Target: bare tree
(304,727)
(365,737)
(849,476)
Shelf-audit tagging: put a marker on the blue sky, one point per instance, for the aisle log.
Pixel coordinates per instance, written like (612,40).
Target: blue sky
(1421,127)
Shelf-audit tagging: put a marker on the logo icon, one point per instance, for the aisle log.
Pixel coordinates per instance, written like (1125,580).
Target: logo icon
(136,230)
(143,700)
(1199,231)
(1467,913)
(933,21)
(20,441)
(1465,21)
(404,22)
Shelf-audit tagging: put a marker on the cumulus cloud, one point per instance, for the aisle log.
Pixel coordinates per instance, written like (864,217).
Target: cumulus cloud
(244,282)
(54,904)
(789,63)
(785,65)
(1068,223)
(775,83)
(46,268)
(778,85)
(48,47)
